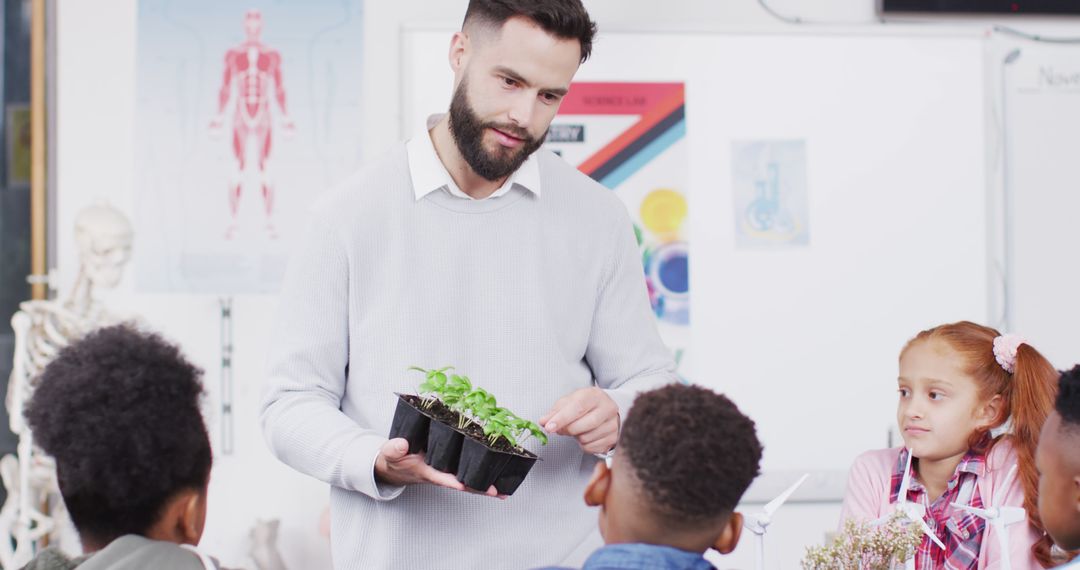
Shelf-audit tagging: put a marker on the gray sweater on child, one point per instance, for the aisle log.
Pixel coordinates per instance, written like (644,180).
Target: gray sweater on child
(532,295)
(129,552)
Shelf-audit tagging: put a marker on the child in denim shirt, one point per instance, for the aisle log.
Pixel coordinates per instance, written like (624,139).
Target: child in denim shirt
(685,457)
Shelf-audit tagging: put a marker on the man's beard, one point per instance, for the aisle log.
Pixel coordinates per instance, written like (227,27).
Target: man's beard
(468,133)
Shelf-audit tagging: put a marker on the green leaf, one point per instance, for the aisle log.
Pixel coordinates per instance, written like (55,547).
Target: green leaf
(466,383)
(538,433)
(495,430)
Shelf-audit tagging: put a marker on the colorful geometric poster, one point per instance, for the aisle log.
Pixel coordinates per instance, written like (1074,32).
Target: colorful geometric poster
(631,137)
(245,112)
(769,190)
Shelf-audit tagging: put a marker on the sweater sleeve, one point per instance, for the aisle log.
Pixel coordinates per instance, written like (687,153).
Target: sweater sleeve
(624,350)
(866,487)
(1022,536)
(308,369)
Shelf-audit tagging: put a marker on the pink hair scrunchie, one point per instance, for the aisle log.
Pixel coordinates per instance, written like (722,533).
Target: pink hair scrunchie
(1005,347)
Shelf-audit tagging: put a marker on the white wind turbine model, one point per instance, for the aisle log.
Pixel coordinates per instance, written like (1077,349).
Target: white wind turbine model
(758,522)
(914,512)
(1000,517)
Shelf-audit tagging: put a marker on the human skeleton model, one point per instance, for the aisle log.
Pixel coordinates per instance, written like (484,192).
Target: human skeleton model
(253,68)
(34,509)
(264,549)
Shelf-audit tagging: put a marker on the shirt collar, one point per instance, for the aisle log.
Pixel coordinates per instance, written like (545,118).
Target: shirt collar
(429,174)
(638,556)
(973,462)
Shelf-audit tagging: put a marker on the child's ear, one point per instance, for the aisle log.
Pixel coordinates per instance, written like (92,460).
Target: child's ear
(1076,493)
(192,518)
(729,539)
(597,489)
(987,414)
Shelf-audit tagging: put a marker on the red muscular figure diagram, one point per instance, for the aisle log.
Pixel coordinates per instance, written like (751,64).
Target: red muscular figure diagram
(251,70)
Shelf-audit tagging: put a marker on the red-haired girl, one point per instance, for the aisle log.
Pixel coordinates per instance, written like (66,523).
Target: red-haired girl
(971,405)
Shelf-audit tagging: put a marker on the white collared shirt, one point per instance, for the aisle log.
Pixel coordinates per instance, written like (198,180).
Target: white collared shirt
(429,174)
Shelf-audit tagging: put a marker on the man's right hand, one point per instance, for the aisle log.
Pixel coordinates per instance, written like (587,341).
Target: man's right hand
(396,466)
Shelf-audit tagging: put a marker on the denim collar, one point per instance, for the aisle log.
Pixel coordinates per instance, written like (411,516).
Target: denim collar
(645,557)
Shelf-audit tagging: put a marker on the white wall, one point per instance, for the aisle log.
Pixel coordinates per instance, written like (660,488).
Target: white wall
(95,150)
(95,138)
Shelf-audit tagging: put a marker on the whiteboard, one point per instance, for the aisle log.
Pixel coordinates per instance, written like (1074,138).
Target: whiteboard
(805,339)
(1041,89)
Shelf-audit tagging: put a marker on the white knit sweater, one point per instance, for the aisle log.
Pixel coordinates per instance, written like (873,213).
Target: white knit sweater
(531,296)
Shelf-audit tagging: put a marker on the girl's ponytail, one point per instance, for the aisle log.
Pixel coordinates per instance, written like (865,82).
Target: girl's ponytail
(1031,395)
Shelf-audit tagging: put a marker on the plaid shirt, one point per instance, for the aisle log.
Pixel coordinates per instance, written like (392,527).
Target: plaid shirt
(961,532)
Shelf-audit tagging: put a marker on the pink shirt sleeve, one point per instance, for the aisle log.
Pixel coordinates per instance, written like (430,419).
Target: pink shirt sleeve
(1022,536)
(867,492)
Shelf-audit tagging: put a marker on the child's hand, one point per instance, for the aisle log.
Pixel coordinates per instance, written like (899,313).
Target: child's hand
(589,415)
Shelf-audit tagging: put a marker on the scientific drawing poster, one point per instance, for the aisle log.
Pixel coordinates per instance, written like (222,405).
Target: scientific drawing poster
(245,113)
(631,137)
(769,189)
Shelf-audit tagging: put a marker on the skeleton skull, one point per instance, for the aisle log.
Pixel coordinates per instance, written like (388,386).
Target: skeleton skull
(104,237)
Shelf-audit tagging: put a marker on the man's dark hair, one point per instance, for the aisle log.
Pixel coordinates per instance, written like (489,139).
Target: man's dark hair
(566,19)
(1068,398)
(693,451)
(119,411)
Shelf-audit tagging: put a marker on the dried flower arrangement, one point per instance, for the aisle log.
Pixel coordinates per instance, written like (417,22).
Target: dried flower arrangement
(864,546)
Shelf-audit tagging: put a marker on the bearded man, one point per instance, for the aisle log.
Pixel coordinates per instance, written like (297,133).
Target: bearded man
(470,246)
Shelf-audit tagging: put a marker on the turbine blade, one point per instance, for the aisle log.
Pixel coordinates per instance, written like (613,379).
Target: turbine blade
(1011,515)
(753,524)
(976,511)
(999,493)
(774,504)
(929,532)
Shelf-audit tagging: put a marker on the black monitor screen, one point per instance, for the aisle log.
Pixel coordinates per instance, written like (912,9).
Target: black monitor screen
(983,6)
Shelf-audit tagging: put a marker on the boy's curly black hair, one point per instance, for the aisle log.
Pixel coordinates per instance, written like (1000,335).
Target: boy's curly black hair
(693,451)
(119,411)
(1068,398)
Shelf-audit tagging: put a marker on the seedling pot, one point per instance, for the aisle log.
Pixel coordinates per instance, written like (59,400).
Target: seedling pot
(410,423)
(462,430)
(480,465)
(443,447)
(514,472)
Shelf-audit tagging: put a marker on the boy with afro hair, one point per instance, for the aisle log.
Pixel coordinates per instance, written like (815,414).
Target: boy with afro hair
(119,412)
(685,457)
(1058,462)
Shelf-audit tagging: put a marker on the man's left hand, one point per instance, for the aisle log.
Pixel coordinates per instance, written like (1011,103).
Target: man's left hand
(587,414)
